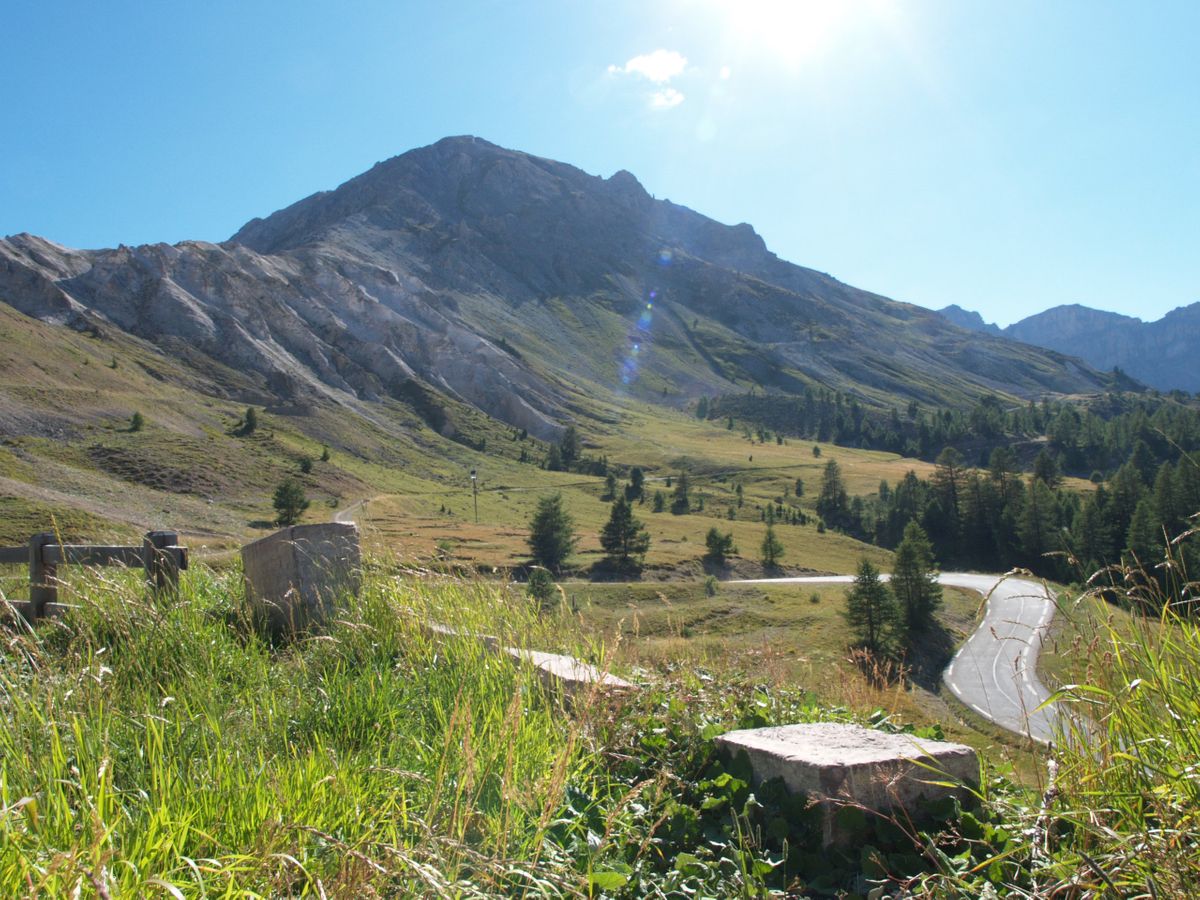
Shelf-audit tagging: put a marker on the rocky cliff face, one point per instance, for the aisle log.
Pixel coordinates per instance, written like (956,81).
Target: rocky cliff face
(513,283)
(1161,354)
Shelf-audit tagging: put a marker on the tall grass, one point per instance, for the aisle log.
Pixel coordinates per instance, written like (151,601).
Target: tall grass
(168,749)
(1126,803)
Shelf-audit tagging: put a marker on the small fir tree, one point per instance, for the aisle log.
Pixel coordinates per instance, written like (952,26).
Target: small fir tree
(542,589)
(870,608)
(610,487)
(623,538)
(551,533)
(718,545)
(290,502)
(636,489)
(681,502)
(914,580)
(569,446)
(772,550)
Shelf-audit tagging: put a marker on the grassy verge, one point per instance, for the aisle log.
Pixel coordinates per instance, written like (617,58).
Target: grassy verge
(168,750)
(1124,812)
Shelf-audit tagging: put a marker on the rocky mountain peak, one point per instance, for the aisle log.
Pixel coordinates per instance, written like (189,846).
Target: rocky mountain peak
(514,284)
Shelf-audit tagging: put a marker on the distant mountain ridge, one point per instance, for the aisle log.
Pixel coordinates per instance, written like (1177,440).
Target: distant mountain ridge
(518,285)
(1161,354)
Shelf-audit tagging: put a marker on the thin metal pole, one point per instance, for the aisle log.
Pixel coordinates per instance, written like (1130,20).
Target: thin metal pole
(475,494)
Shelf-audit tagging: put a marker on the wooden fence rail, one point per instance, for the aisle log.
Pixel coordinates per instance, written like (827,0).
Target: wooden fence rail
(160,555)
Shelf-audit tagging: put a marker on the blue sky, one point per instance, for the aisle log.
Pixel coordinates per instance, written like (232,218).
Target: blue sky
(1005,156)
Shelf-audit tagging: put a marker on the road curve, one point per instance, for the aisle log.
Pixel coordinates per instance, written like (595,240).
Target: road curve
(995,671)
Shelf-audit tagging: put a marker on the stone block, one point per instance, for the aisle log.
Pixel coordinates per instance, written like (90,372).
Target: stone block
(836,765)
(567,675)
(296,577)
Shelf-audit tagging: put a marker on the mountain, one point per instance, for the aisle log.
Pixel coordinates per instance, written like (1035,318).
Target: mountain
(969,319)
(521,287)
(1160,354)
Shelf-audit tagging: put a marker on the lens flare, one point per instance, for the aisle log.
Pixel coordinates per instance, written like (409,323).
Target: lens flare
(639,338)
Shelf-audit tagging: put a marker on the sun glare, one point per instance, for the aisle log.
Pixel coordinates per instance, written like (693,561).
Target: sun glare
(788,31)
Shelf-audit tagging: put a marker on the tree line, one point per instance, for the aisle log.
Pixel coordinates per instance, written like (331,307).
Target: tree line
(997,518)
(1093,438)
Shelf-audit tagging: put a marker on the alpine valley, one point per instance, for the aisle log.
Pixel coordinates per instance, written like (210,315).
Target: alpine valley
(458,302)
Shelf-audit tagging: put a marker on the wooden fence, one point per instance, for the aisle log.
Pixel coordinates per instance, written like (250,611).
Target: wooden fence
(160,555)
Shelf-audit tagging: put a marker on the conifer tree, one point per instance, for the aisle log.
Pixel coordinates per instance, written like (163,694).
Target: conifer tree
(833,503)
(772,550)
(870,608)
(551,533)
(636,489)
(569,446)
(623,538)
(914,580)
(681,502)
(718,545)
(290,502)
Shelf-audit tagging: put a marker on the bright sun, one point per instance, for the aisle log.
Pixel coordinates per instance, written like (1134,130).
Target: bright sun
(788,31)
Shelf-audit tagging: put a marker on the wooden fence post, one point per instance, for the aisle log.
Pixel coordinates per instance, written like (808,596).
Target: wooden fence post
(162,565)
(42,587)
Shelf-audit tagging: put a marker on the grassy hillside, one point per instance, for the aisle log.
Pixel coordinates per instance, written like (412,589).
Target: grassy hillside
(70,462)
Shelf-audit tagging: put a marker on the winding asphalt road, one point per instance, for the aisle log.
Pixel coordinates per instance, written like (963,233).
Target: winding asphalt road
(995,671)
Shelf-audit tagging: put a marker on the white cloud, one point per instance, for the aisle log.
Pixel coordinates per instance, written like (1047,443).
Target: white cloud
(725,73)
(660,66)
(666,98)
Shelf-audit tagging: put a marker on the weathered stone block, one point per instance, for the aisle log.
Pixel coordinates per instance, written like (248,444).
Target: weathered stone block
(836,765)
(436,631)
(568,675)
(296,577)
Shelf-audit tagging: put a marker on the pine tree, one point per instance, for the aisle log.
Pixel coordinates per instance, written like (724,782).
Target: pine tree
(542,589)
(718,545)
(290,502)
(249,422)
(833,503)
(680,502)
(870,608)
(610,487)
(1037,529)
(914,580)
(772,550)
(636,488)
(1046,470)
(569,446)
(551,533)
(623,538)
(1146,538)
(1091,536)
(943,516)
